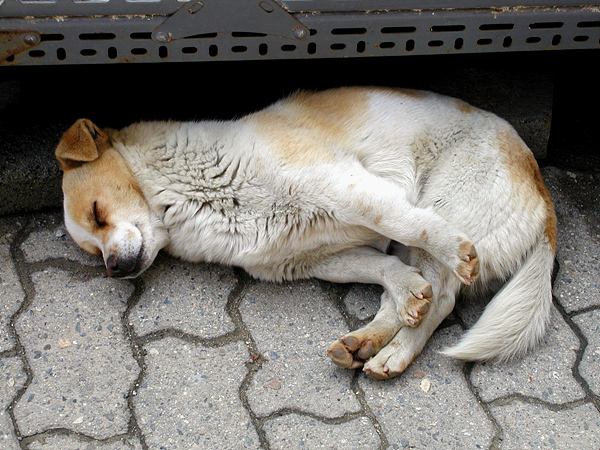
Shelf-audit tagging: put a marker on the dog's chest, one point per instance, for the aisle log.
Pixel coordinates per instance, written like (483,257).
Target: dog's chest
(270,235)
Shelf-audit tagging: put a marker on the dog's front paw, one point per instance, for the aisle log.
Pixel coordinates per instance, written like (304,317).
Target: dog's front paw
(468,265)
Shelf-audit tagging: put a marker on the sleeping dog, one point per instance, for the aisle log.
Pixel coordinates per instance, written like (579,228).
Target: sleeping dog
(423,194)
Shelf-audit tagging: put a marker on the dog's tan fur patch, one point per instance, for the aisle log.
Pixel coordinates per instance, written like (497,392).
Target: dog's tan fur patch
(526,176)
(312,126)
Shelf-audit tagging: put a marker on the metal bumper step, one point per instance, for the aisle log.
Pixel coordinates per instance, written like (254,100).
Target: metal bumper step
(62,32)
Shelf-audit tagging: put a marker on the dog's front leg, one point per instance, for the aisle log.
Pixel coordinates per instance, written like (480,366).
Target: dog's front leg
(405,301)
(376,203)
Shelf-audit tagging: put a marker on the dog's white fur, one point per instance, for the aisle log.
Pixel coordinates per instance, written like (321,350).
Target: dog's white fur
(323,185)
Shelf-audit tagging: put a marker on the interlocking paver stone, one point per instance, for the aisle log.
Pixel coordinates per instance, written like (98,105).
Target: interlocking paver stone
(67,442)
(12,378)
(576,195)
(189,398)
(51,240)
(589,368)
(545,373)
(529,426)
(188,297)
(363,300)
(293,324)
(296,431)
(430,406)
(12,291)
(81,362)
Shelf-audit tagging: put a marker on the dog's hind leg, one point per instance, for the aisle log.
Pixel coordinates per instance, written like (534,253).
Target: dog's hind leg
(405,301)
(352,350)
(394,358)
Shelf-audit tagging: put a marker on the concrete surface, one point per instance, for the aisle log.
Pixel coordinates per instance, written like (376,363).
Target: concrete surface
(195,356)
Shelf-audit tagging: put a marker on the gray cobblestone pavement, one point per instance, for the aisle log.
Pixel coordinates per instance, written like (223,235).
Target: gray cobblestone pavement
(195,356)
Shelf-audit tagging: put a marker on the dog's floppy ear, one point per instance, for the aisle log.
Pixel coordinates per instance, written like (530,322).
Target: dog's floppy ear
(80,144)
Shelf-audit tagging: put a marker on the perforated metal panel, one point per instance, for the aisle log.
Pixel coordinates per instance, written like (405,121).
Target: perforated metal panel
(114,31)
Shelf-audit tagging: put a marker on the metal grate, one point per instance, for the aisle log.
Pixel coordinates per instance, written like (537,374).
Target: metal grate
(115,31)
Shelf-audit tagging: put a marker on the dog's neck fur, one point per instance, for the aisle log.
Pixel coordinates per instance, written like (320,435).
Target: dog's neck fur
(198,179)
(183,164)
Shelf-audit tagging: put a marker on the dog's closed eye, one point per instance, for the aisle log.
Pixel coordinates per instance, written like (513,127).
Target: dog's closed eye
(97,216)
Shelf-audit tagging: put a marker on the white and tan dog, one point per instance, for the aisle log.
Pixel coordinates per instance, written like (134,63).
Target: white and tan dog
(324,185)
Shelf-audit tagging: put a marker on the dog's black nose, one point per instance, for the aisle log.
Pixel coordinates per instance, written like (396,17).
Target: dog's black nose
(120,267)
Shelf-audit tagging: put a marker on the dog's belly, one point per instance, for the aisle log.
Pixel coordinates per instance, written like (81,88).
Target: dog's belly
(268,247)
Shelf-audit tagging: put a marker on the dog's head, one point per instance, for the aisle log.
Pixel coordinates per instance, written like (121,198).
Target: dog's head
(106,212)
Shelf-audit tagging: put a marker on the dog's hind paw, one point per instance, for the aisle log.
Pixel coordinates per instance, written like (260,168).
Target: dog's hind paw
(351,351)
(416,306)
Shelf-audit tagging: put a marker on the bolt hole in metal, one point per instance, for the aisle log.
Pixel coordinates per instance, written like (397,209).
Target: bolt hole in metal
(140,36)
(581,38)
(496,27)
(348,31)
(97,36)
(447,28)
(593,24)
(49,37)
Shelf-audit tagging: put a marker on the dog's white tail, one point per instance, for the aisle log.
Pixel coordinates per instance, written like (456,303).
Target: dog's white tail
(516,318)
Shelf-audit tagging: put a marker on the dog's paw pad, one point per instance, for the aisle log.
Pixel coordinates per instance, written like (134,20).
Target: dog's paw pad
(417,305)
(340,355)
(468,268)
(350,352)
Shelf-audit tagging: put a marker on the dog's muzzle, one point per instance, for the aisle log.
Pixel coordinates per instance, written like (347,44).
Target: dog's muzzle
(123,267)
